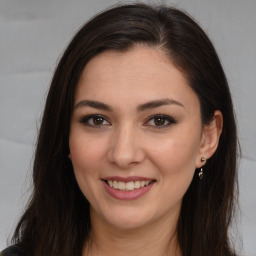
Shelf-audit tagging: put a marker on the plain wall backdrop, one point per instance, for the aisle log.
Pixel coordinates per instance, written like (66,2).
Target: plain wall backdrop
(34,33)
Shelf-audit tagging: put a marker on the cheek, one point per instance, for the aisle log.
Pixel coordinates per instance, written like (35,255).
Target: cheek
(175,159)
(85,152)
(175,162)
(85,156)
(174,154)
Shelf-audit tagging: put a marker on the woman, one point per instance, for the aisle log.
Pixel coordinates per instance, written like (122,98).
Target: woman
(137,147)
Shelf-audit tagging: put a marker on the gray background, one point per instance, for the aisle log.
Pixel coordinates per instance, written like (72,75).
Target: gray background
(33,34)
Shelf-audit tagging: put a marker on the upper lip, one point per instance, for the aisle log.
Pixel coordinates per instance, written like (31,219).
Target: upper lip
(127,179)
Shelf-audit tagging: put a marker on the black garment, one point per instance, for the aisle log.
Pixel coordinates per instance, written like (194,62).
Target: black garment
(13,250)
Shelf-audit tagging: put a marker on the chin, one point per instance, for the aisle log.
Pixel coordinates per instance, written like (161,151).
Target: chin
(128,224)
(129,218)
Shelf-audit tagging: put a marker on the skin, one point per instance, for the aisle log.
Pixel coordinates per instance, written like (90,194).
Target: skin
(129,142)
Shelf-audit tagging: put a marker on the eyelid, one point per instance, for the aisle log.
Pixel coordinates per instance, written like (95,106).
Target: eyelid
(84,120)
(170,119)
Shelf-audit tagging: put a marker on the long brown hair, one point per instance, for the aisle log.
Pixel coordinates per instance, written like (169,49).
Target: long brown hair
(56,220)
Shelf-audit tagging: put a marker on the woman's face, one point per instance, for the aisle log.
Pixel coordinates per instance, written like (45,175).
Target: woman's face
(136,137)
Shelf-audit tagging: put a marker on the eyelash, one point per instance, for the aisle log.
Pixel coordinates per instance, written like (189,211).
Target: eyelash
(168,119)
(85,120)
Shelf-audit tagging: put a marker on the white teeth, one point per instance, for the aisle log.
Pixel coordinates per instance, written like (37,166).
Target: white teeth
(137,184)
(128,186)
(121,185)
(115,184)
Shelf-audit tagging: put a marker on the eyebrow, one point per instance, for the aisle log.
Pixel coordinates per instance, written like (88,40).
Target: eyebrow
(158,103)
(93,104)
(140,108)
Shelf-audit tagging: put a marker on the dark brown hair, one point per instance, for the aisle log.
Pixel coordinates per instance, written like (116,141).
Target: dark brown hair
(56,220)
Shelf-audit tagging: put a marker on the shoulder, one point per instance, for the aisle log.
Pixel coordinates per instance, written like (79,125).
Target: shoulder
(13,250)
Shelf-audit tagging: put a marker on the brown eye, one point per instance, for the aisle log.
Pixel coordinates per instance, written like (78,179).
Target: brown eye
(159,121)
(95,121)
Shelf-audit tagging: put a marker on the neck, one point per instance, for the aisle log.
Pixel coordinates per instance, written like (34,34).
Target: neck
(156,239)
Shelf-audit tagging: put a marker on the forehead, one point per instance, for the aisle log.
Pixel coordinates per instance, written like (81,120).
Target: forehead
(139,74)
(139,62)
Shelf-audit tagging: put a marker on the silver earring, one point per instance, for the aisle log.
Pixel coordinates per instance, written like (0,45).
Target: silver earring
(201,173)
(203,159)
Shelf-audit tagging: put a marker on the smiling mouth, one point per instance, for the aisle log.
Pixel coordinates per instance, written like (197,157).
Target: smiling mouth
(128,186)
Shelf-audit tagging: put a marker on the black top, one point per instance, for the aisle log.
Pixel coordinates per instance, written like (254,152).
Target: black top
(13,250)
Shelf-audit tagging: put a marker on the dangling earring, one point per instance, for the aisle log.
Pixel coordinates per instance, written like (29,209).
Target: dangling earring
(201,173)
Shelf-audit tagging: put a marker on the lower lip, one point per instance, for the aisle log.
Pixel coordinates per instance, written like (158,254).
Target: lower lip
(128,195)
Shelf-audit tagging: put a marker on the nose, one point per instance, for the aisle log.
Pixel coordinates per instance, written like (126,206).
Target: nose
(126,148)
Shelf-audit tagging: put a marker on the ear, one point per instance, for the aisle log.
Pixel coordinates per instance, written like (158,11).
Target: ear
(210,138)
(69,156)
